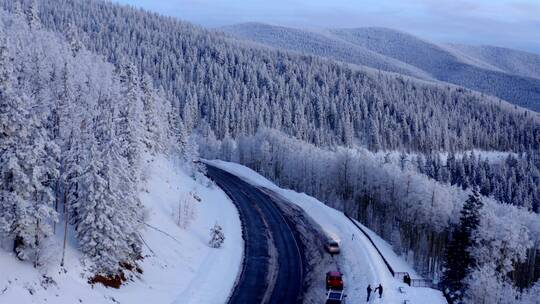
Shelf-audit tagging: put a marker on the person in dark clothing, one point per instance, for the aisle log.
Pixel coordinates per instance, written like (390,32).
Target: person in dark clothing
(380,290)
(368,292)
(407,279)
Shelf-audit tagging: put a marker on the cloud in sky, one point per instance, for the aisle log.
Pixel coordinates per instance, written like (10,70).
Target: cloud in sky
(514,24)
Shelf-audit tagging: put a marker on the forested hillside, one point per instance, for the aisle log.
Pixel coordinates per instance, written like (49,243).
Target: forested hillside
(514,180)
(73,130)
(238,89)
(446,66)
(494,71)
(322,44)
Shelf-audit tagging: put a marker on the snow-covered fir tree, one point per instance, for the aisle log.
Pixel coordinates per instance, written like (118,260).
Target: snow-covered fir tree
(217,237)
(458,259)
(130,130)
(124,189)
(26,168)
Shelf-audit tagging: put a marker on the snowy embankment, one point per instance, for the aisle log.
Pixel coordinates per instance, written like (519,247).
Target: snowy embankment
(359,261)
(179,266)
(397,263)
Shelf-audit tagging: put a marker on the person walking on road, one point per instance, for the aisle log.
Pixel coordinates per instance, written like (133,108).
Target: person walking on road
(380,290)
(369,290)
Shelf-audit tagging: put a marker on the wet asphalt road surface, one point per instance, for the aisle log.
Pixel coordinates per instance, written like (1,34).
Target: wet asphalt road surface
(272,270)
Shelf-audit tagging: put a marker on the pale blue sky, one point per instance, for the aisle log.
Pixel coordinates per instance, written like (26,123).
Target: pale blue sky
(514,24)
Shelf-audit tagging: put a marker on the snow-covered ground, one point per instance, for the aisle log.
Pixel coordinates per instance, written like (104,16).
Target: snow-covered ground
(179,267)
(359,261)
(398,264)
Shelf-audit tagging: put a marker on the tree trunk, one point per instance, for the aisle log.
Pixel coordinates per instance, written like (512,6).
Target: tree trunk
(37,244)
(17,244)
(66,220)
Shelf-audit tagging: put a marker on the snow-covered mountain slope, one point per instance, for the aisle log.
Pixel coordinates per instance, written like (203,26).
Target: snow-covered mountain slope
(265,87)
(507,74)
(179,266)
(427,55)
(506,60)
(321,44)
(399,45)
(359,261)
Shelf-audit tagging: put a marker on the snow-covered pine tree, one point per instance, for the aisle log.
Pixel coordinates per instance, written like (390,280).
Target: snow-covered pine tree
(61,125)
(25,168)
(29,168)
(123,188)
(178,134)
(32,15)
(11,121)
(17,9)
(486,285)
(72,169)
(105,208)
(458,259)
(155,107)
(190,112)
(130,127)
(182,144)
(373,134)
(74,41)
(217,237)
(44,167)
(99,236)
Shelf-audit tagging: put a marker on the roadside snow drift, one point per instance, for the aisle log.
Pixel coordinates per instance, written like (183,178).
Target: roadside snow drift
(179,266)
(359,261)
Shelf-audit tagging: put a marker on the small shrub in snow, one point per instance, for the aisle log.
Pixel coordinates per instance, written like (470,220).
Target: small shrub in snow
(47,281)
(216,236)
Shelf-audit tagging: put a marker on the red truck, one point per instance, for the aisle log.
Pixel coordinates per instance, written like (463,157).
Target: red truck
(334,280)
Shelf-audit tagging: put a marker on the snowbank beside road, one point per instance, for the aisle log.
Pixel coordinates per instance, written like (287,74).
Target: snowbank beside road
(179,267)
(397,263)
(359,261)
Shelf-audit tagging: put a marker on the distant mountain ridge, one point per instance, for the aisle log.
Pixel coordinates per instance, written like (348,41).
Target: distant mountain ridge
(508,60)
(324,45)
(508,74)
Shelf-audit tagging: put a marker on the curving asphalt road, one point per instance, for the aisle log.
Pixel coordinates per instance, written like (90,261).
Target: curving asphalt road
(272,268)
